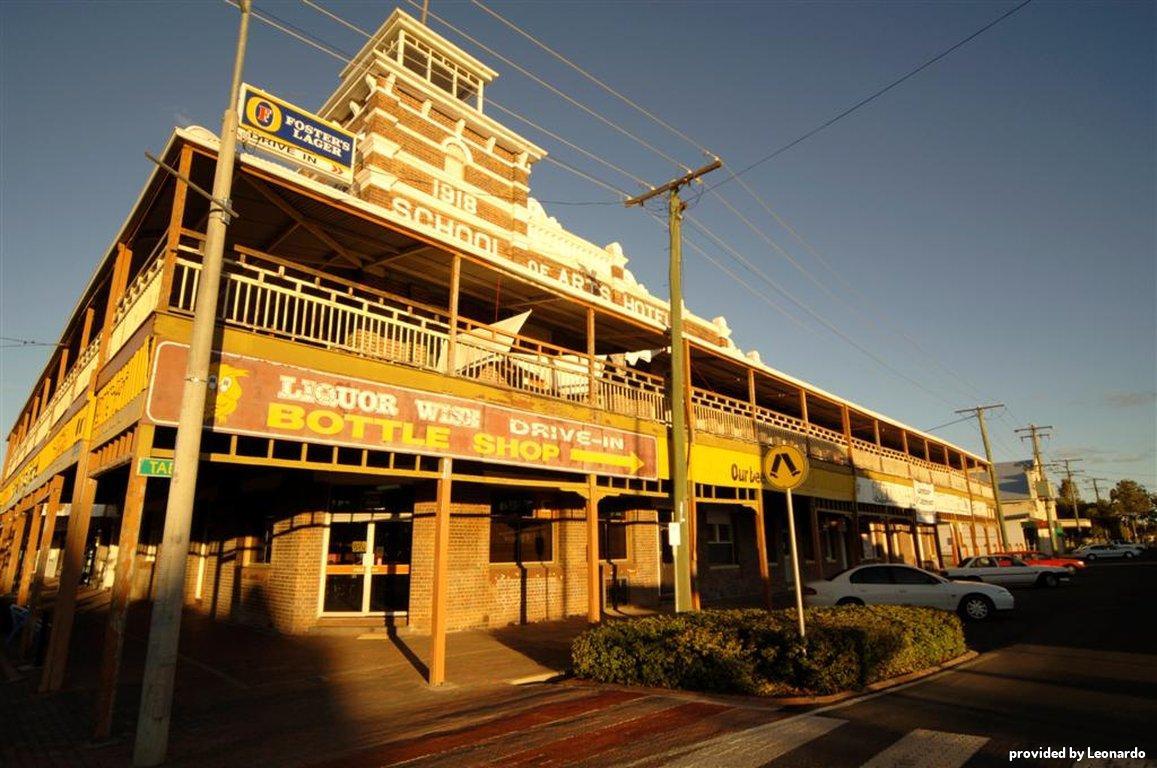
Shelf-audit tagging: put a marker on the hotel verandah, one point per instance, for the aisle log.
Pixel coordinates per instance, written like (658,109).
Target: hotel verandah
(432,310)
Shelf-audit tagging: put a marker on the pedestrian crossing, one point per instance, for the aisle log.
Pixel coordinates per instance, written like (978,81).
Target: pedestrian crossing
(763,745)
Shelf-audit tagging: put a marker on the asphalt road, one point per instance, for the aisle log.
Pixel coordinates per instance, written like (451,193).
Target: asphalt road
(1075,668)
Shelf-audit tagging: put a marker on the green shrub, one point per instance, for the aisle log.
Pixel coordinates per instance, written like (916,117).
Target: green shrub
(759,652)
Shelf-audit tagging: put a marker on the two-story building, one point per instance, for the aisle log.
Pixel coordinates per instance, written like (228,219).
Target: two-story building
(430,338)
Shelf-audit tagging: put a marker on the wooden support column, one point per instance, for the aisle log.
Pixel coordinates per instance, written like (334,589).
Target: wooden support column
(592,393)
(12,548)
(817,547)
(594,569)
(876,431)
(760,518)
(47,530)
(927,451)
(176,222)
(971,503)
(28,562)
(455,290)
(130,529)
(437,670)
(83,494)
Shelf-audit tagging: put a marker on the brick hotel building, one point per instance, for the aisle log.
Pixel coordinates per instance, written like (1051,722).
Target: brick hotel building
(430,341)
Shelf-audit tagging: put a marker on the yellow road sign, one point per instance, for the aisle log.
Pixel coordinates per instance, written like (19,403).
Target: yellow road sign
(785,467)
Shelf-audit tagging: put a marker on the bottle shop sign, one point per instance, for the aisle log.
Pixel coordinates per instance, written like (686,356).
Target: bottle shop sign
(263,398)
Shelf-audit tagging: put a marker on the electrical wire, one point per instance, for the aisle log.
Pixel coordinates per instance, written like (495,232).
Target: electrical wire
(588,177)
(875,95)
(955,380)
(626,100)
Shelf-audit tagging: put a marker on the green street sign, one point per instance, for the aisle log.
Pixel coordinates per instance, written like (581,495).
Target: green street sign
(155,468)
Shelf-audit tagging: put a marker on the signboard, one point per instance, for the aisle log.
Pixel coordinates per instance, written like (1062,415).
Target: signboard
(281,129)
(924,495)
(785,467)
(263,398)
(872,491)
(155,467)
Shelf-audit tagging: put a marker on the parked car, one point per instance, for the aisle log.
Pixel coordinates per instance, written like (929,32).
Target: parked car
(1107,551)
(1009,571)
(907,585)
(1032,557)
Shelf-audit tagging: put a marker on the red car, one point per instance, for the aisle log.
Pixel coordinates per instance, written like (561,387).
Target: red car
(1036,558)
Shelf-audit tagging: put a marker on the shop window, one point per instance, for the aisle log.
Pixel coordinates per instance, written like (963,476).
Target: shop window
(803,536)
(260,546)
(720,539)
(613,537)
(518,534)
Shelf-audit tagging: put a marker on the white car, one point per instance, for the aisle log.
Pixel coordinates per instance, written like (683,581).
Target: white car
(1008,571)
(1106,551)
(906,585)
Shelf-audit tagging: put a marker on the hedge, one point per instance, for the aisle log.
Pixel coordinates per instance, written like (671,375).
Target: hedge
(759,652)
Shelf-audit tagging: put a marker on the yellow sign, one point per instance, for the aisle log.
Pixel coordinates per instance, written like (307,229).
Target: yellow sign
(785,467)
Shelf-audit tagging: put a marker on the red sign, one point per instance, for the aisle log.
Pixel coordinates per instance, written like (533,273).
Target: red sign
(262,398)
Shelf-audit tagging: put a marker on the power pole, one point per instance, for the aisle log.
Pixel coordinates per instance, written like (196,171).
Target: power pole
(1068,463)
(152,738)
(1042,482)
(1097,493)
(681,548)
(979,411)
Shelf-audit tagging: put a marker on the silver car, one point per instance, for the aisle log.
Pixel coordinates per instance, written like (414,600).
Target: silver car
(906,585)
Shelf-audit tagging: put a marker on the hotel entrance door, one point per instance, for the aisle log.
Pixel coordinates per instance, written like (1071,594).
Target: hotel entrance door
(367,564)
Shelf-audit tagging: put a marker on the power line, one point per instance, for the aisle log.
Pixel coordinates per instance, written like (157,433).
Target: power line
(626,100)
(727,247)
(949,424)
(815,315)
(955,379)
(877,94)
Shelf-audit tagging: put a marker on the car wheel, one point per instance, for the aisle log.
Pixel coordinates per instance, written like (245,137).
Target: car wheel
(977,607)
(1047,580)
(1090,556)
(1128,555)
(849,601)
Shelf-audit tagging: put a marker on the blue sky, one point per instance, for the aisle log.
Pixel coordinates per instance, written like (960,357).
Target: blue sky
(991,220)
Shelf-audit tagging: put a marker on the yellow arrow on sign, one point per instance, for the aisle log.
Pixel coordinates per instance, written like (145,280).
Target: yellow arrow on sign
(631,462)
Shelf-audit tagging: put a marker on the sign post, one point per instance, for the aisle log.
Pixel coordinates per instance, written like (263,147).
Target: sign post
(786,467)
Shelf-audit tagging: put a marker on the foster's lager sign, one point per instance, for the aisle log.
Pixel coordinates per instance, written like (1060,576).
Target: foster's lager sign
(279,128)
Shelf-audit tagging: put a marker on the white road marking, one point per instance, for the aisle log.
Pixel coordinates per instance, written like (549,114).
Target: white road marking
(759,745)
(928,749)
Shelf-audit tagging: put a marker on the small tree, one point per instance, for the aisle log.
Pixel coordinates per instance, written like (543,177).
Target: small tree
(1068,499)
(1130,501)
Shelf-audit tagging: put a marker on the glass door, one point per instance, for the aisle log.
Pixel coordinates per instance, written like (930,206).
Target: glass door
(367,564)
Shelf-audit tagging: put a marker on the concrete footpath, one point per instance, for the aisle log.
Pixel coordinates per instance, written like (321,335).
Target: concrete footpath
(248,697)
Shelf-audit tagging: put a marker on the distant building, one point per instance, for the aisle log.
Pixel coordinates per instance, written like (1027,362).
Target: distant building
(1027,501)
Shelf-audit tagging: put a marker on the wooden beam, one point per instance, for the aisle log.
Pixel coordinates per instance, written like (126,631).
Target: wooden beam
(594,568)
(279,238)
(47,530)
(307,225)
(437,669)
(130,529)
(28,562)
(381,261)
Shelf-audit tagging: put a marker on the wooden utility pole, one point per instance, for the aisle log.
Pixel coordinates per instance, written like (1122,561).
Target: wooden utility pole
(1035,433)
(979,411)
(152,737)
(1072,489)
(681,547)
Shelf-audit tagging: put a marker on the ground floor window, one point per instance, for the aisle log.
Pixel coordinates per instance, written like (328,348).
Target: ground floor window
(518,534)
(833,529)
(720,539)
(612,536)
